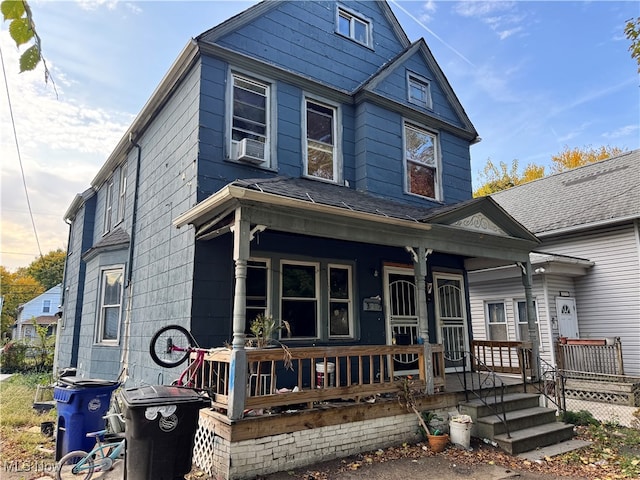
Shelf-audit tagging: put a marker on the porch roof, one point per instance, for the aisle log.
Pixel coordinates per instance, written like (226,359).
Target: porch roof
(474,228)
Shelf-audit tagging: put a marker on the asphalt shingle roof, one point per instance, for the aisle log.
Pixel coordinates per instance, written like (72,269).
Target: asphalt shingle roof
(608,190)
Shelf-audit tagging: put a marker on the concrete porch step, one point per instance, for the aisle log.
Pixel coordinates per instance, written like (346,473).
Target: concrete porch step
(478,408)
(492,425)
(533,437)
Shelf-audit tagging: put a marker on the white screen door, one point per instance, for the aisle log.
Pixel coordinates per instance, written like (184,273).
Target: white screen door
(401,312)
(451,318)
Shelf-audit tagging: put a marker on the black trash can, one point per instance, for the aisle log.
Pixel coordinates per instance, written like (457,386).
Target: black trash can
(81,404)
(161,427)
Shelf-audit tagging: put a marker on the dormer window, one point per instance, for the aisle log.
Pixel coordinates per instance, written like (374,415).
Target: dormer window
(354,26)
(419,91)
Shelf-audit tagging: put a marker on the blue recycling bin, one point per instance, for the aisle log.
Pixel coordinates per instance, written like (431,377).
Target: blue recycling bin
(81,404)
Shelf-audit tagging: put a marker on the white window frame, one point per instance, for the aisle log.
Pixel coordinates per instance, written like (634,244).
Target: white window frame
(408,162)
(269,115)
(108,206)
(335,146)
(348,301)
(317,298)
(122,193)
(516,314)
(354,20)
(422,84)
(100,321)
(46,306)
(267,267)
(489,323)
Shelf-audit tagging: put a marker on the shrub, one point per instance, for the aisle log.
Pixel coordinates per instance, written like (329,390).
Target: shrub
(581,417)
(13,357)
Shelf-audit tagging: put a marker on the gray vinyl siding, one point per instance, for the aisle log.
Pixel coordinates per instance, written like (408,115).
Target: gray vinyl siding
(608,298)
(508,291)
(163,257)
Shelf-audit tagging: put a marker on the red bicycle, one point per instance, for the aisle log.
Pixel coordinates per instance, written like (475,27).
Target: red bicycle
(171,346)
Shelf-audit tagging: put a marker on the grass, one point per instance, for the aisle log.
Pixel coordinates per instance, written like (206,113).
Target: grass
(20,436)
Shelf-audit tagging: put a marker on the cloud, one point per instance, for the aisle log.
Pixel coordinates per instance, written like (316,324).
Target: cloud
(501,17)
(622,132)
(61,144)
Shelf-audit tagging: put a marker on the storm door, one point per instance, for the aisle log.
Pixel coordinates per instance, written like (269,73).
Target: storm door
(401,302)
(451,319)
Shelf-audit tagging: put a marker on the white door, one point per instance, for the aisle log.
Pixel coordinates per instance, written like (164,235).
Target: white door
(567,317)
(451,318)
(401,315)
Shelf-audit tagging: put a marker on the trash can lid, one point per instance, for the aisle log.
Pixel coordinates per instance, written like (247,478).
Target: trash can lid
(159,395)
(80,382)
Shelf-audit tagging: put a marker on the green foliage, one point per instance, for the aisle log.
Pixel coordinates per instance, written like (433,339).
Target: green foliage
(16,289)
(13,356)
(502,177)
(48,269)
(581,417)
(632,32)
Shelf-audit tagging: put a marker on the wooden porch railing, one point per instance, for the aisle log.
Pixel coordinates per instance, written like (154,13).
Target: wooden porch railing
(590,357)
(352,372)
(502,357)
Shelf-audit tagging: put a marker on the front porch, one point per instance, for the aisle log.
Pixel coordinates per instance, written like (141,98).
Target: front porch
(297,417)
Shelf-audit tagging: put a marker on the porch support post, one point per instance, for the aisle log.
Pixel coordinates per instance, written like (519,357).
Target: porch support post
(420,269)
(238,367)
(527,281)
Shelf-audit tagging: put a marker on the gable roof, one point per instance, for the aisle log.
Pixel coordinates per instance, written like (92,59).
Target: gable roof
(420,47)
(601,193)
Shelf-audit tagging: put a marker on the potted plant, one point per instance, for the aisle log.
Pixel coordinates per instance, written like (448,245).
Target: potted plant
(435,437)
(263,330)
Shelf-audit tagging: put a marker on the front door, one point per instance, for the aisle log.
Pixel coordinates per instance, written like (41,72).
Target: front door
(451,318)
(567,317)
(401,315)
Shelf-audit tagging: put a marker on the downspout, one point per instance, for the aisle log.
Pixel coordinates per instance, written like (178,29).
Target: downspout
(124,373)
(61,307)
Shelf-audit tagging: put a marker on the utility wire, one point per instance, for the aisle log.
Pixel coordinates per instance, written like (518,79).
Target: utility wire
(15,136)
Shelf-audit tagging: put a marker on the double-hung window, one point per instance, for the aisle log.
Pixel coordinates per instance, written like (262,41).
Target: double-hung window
(421,162)
(340,301)
(110,305)
(108,206)
(496,321)
(123,192)
(257,291)
(300,293)
(354,26)
(321,150)
(250,119)
(521,319)
(419,90)
(46,306)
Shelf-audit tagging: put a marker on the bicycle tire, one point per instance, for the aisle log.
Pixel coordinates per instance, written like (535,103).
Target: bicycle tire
(64,467)
(178,336)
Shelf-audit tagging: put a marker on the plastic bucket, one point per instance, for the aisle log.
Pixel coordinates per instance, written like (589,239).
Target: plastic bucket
(331,368)
(460,432)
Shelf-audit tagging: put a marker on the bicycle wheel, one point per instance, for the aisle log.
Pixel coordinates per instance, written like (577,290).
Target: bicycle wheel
(170,346)
(78,460)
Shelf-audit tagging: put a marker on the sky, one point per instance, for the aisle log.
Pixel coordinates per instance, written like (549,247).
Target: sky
(533,77)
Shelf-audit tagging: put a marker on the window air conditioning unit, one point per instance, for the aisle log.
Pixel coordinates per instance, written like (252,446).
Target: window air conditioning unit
(250,151)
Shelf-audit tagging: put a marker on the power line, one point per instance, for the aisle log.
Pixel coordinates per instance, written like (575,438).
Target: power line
(15,136)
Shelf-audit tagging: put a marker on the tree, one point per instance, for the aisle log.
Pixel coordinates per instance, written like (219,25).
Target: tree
(15,289)
(571,158)
(48,269)
(496,179)
(502,178)
(632,31)
(22,29)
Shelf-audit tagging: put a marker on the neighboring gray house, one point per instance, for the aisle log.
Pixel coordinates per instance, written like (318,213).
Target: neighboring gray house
(587,283)
(43,310)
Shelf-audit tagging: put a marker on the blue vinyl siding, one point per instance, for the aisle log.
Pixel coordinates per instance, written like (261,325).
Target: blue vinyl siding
(300,36)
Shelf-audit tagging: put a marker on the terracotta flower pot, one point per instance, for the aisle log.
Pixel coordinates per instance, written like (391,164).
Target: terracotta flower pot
(438,443)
